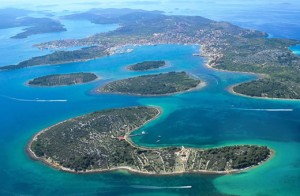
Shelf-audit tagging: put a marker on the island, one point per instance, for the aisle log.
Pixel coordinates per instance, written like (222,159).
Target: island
(12,17)
(157,84)
(226,47)
(60,57)
(147,65)
(101,141)
(63,79)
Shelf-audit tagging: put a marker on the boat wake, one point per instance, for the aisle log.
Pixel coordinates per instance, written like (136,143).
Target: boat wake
(267,110)
(160,187)
(215,78)
(36,100)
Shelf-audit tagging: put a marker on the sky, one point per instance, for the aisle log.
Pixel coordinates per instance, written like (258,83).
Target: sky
(146,4)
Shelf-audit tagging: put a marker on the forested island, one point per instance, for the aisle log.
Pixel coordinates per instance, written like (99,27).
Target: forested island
(226,46)
(63,79)
(100,141)
(158,84)
(146,65)
(60,57)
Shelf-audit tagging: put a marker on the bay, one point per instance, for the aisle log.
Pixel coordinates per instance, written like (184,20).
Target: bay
(208,117)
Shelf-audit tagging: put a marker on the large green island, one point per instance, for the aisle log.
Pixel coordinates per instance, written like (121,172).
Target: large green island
(158,84)
(63,79)
(101,141)
(147,65)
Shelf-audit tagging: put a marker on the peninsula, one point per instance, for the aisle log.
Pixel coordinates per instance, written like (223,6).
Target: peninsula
(226,46)
(100,141)
(158,84)
(147,65)
(63,79)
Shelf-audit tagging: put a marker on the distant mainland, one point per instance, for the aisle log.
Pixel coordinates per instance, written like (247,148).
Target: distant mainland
(226,46)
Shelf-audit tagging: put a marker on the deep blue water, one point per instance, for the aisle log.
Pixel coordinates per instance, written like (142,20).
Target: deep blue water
(208,117)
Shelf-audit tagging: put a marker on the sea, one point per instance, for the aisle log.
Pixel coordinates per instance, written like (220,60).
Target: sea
(206,118)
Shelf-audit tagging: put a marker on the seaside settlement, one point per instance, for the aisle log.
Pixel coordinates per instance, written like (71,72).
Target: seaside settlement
(226,47)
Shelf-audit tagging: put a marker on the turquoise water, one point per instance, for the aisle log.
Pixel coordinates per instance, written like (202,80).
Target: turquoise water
(208,117)
(16,50)
(296,49)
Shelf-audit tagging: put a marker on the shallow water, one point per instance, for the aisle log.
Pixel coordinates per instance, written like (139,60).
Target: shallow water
(208,117)
(16,50)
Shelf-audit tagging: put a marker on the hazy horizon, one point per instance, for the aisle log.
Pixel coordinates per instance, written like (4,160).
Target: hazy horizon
(147,4)
(247,14)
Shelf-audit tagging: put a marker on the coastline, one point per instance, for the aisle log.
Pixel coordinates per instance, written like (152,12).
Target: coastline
(109,49)
(51,163)
(77,84)
(33,156)
(167,64)
(230,88)
(208,59)
(201,85)
(57,166)
(201,54)
(271,156)
(52,64)
(127,168)
(128,140)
